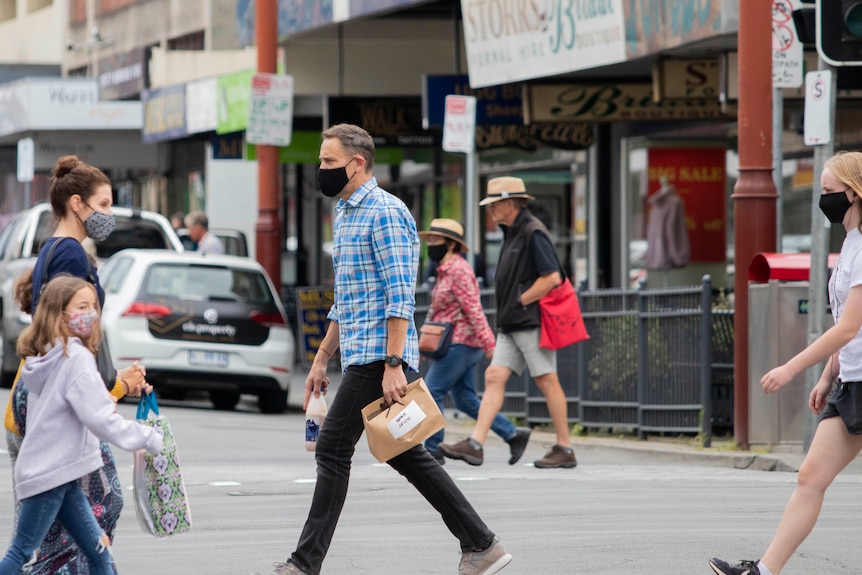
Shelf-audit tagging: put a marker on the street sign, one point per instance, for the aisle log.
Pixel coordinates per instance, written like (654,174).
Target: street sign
(26,159)
(818,92)
(459,124)
(786,47)
(270,110)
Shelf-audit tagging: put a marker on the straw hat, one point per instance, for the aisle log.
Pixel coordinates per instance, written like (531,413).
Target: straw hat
(505,188)
(446,228)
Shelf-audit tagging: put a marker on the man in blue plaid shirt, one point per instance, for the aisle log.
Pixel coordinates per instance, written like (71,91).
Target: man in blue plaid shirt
(375,256)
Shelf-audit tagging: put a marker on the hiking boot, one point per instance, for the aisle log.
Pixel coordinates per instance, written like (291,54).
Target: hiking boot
(462,450)
(486,562)
(284,569)
(518,443)
(724,568)
(558,456)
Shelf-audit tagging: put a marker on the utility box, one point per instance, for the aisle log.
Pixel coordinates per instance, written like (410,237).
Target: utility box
(777,330)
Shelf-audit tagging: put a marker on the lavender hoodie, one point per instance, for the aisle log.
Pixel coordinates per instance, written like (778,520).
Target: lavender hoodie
(68,412)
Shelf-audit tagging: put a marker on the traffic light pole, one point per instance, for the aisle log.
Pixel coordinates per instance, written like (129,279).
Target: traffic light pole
(819,259)
(754,196)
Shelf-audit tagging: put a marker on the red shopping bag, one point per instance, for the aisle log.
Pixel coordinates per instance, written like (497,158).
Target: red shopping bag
(562,323)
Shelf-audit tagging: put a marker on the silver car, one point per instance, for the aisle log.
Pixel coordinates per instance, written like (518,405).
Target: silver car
(199,322)
(21,239)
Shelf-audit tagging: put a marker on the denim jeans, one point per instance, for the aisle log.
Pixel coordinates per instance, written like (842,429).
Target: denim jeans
(341,429)
(456,372)
(68,504)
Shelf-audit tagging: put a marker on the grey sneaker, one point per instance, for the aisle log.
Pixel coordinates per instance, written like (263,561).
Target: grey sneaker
(462,450)
(486,562)
(284,569)
(558,456)
(518,444)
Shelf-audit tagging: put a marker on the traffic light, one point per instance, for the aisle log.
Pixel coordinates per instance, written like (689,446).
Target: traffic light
(839,32)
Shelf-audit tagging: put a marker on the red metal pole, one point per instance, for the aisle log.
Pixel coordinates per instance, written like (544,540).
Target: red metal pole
(268,226)
(754,196)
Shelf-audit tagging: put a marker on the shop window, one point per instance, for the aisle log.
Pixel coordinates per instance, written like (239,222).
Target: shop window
(82,72)
(7,10)
(193,41)
(34,5)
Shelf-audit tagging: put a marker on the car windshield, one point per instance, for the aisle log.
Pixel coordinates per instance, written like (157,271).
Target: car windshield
(206,283)
(131,232)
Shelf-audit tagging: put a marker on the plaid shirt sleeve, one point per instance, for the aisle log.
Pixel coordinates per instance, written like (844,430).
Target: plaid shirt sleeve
(395,244)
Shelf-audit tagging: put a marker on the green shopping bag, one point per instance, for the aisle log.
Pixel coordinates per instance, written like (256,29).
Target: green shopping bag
(161,503)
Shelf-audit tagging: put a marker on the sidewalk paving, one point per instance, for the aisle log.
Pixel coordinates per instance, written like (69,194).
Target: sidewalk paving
(652,450)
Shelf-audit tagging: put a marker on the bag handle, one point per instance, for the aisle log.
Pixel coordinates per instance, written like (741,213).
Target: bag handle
(147,404)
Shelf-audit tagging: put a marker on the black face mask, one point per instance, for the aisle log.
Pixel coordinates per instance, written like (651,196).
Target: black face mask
(834,206)
(331,182)
(437,252)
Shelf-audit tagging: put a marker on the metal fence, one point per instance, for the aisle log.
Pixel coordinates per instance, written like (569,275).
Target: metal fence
(657,361)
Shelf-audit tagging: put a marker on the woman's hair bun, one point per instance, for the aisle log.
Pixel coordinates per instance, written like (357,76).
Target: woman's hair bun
(65,165)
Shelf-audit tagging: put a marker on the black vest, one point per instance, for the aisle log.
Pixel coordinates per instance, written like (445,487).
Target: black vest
(516,272)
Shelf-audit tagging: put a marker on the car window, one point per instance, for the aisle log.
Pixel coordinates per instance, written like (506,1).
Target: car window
(233,245)
(44,229)
(112,274)
(207,283)
(133,233)
(7,233)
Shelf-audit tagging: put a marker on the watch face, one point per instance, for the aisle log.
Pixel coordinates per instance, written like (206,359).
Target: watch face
(393,360)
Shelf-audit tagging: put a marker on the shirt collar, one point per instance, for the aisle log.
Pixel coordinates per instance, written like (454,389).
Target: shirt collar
(356,197)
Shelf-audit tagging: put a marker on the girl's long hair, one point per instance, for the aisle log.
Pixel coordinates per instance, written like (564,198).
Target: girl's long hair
(48,321)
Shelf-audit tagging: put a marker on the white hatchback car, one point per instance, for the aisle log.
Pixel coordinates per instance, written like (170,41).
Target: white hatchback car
(211,323)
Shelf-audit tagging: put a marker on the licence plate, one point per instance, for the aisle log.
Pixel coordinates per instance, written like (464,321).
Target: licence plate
(211,358)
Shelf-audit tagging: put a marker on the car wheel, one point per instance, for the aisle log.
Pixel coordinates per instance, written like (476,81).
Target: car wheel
(224,400)
(272,401)
(172,394)
(8,361)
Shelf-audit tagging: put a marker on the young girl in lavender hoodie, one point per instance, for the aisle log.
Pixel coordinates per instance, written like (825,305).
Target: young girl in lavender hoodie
(69,412)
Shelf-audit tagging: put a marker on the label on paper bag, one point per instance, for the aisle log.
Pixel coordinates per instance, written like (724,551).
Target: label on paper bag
(406,421)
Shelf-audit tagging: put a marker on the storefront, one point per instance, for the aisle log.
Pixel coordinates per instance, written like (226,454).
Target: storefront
(65,116)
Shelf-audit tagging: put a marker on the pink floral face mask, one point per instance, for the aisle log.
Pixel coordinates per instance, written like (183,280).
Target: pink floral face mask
(81,322)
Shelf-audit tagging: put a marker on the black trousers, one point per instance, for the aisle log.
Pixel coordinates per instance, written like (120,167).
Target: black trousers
(341,429)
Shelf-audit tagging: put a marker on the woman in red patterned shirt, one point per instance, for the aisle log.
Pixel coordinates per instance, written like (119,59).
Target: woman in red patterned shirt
(455,299)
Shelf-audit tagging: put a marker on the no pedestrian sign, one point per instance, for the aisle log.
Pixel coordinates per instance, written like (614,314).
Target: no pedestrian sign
(459,124)
(270,110)
(786,47)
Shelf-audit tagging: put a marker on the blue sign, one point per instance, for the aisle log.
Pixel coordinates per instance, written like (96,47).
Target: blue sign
(495,105)
(164,114)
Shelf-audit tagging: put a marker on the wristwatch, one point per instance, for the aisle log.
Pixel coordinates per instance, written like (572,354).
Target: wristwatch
(394,360)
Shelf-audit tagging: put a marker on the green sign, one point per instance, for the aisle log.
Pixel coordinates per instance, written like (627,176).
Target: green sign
(304,148)
(234,92)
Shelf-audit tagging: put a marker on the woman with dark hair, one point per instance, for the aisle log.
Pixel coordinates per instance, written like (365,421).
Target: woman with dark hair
(81,199)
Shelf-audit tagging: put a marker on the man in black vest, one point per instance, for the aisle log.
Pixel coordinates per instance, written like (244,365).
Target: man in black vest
(528,269)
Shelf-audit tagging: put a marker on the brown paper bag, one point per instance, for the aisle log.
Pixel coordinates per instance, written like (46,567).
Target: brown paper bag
(392,430)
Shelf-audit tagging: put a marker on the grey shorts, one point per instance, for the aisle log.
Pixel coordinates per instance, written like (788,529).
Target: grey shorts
(521,349)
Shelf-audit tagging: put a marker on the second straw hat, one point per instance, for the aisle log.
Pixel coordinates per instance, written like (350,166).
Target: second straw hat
(446,228)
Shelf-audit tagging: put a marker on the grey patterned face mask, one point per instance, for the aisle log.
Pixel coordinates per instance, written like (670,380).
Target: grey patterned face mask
(98,225)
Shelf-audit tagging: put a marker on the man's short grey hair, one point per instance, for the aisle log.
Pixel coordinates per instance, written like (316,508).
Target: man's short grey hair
(354,140)
(197,218)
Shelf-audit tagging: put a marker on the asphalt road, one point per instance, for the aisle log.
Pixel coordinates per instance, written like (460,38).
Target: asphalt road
(619,512)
